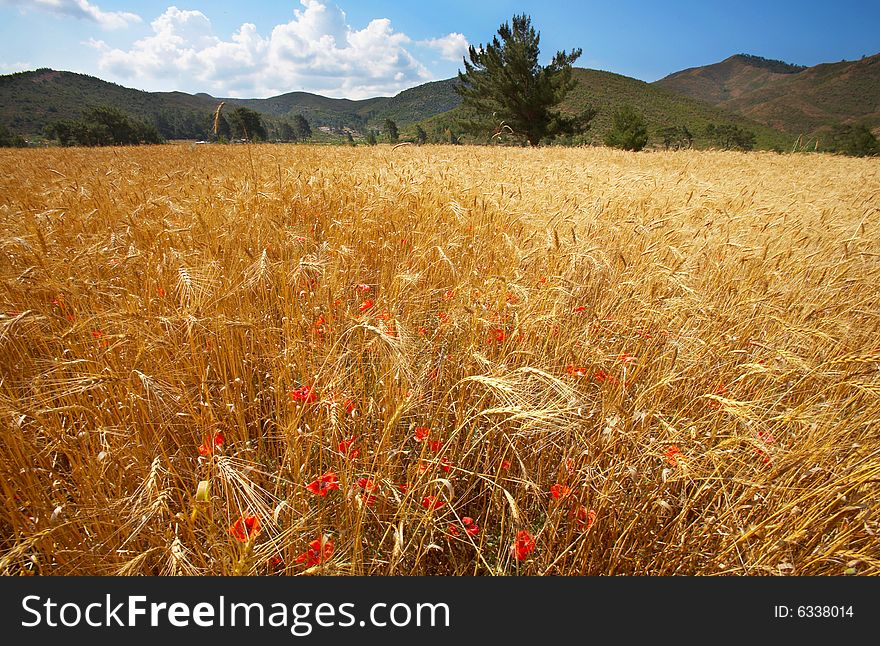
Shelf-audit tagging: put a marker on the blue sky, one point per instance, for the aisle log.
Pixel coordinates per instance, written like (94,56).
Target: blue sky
(364,48)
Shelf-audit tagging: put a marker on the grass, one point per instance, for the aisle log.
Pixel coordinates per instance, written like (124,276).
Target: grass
(683,346)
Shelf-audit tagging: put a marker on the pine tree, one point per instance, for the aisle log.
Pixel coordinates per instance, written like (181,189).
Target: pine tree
(421,135)
(391,131)
(503,85)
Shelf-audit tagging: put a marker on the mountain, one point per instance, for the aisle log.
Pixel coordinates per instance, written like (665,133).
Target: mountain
(29,101)
(794,99)
(405,108)
(661,108)
(773,99)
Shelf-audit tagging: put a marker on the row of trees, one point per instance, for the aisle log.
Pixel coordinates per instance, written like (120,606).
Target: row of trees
(109,126)
(103,126)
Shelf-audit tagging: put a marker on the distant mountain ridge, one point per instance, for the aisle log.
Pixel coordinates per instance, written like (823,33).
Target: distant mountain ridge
(29,101)
(791,98)
(774,99)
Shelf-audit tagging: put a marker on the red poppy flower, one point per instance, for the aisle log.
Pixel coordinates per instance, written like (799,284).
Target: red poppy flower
(421,433)
(319,551)
(560,490)
(367,304)
(347,451)
(303,394)
(368,484)
(423,331)
(496,336)
(580,308)
(720,389)
(275,561)
(362,289)
(349,406)
(585,517)
(207,448)
(443,316)
(470,527)
(448,295)
(542,280)
(523,545)
(435,445)
(601,375)
(670,455)
(452,530)
(766,437)
(322,485)
(575,371)
(505,464)
(432,502)
(625,358)
(512,298)
(245,528)
(160,291)
(424,466)
(404,487)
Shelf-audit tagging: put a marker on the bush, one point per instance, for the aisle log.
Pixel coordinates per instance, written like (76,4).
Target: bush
(729,136)
(628,130)
(857,141)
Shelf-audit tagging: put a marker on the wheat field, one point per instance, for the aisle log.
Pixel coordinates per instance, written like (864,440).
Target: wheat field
(438,360)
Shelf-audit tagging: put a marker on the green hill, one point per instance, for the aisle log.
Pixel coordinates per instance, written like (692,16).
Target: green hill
(406,108)
(793,99)
(29,101)
(661,108)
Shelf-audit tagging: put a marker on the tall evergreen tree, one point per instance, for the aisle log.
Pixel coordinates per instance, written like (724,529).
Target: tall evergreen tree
(391,131)
(247,124)
(302,127)
(503,84)
(287,132)
(421,135)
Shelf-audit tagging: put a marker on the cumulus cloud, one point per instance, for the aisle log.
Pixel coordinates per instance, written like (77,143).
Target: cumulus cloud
(79,9)
(452,47)
(317,51)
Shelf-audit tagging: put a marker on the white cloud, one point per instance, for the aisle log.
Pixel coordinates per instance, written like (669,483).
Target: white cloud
(79,9)
(317,51)
(17,66)
(452,47)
